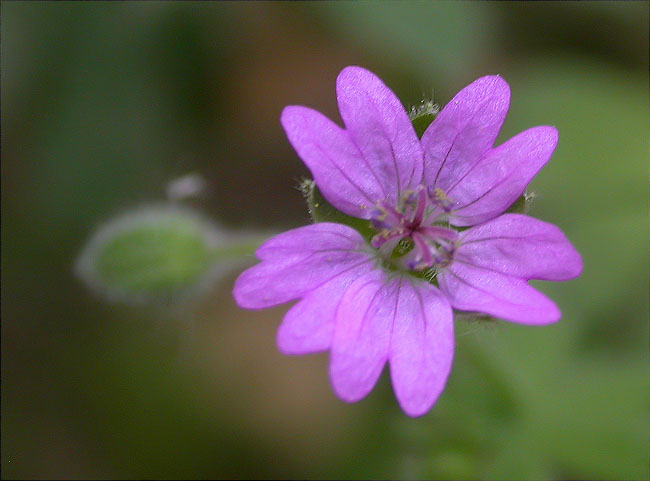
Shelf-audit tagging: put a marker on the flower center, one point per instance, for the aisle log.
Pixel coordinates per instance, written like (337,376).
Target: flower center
(413,224)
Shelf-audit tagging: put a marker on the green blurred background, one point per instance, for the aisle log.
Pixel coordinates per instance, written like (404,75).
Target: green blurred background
(104,103)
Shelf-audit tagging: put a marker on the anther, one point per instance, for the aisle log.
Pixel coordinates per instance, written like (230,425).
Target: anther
(439,198)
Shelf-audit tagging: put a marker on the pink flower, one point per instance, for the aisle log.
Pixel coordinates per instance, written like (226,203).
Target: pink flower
(369,303)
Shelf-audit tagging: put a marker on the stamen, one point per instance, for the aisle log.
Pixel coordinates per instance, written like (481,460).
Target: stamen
(414,218)
(386,235)
(420,208)
(384,217)
(439,198)
(436,232)
(410,197)
(423,259)
(378,218)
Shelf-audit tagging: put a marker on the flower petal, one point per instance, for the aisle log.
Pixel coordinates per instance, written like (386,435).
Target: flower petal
(298,261)
(471,288)
(335,162)
(422,347)
(464,130)
(380,127)
(501,176)
(309,325)
(520,246)
(362,335)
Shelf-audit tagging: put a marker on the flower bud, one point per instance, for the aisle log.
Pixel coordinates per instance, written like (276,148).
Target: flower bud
(422,115)
(159,253)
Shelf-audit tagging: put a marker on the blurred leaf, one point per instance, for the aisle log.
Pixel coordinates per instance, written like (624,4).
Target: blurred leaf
(598,427)
(437,40)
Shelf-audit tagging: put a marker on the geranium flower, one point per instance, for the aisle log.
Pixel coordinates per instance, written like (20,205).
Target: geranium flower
(391,299)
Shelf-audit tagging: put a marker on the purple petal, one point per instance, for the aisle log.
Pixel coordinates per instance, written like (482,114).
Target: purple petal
(501,176)
(379,126)
(361,339)
(336,163)
(299,242)
(309,325)
(299,261)
(520,246)
(471,288)
(422,346)
(464,130)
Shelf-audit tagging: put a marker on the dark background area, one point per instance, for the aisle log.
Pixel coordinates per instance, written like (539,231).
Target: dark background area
(104,103)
